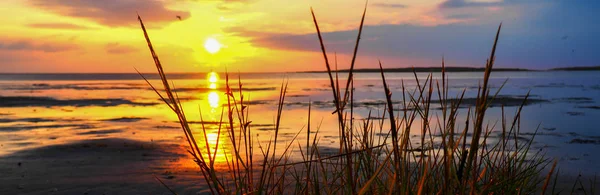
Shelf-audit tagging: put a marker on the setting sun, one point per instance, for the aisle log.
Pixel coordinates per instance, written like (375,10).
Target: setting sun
(212,45)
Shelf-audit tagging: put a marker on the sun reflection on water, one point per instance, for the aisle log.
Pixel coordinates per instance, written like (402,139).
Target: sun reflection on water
(217,143)
(219,150)
(212,77)
(213,99)
(213,94)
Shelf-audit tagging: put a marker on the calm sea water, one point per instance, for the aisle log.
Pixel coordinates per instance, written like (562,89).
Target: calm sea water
(40,110)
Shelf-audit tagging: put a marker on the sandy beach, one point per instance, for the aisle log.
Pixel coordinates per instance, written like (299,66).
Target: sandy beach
(102,166)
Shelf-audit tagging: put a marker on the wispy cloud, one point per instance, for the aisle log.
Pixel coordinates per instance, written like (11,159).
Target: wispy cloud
(461,16)
(117,48)
(389,5)
(112,12)
(58,26)
(25,45)
(462,44)
(465,3)
(225,5)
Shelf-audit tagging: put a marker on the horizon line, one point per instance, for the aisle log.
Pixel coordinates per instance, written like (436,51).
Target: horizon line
(474,69)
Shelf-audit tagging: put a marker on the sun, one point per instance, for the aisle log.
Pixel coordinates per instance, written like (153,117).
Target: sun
(212,46)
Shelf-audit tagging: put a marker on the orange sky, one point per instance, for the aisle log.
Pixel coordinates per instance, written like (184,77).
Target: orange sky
(63,36)
(257,35)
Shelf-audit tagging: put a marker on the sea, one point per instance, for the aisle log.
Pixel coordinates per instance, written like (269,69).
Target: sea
(42,110)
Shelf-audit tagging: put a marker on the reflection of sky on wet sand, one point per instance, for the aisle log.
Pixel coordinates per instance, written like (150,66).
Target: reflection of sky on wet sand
(31,127)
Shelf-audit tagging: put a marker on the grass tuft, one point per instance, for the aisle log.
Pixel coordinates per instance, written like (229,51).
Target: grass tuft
(445,159)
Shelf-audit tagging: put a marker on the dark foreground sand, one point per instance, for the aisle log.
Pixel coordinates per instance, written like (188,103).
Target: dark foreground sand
(103,166)
(122,166)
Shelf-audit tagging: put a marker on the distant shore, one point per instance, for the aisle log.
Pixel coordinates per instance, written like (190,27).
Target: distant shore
(577,68)
(461,69)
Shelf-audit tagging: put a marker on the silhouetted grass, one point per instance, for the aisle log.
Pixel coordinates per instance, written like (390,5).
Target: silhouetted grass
(466,160)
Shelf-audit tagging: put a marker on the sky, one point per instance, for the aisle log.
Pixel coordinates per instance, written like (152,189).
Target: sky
(279,36)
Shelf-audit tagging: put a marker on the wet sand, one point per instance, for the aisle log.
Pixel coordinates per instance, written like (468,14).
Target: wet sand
(102,166)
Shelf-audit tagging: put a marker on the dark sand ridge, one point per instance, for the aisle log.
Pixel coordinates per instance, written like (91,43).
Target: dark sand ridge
(31,101)
(500,100)
(103,166)
(123,86)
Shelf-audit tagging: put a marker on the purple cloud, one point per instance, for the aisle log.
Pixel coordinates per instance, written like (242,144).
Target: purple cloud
(389,5)
(66,26)
(23,45)
(117,48)
(464,3)
(112,12)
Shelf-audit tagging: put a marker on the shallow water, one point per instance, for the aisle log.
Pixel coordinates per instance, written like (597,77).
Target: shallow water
(42,110)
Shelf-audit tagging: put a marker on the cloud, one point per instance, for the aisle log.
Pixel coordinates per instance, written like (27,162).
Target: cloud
(465,3)
(117,48)
(225,5)
(7,58)
(487,3)
(462,44)
(389,5)
(66,26)
(461,16)
(230,5)
(17,62)
(379,40)
(226,1)
(112,12)
(24,45)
